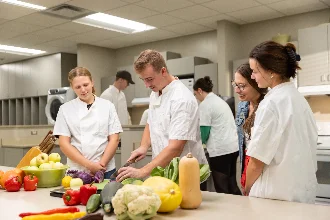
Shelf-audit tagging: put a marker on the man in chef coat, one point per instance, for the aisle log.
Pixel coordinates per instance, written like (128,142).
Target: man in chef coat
(116,95)
(172,128)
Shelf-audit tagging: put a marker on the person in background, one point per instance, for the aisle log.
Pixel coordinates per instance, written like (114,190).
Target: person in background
(88,127)
(116,95)
(283,144)
(250,95)
(218,132)
(144,118)
(172,128)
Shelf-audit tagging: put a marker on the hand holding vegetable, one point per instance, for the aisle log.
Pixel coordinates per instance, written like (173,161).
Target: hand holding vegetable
(30,183)
(126,172)
(96,166)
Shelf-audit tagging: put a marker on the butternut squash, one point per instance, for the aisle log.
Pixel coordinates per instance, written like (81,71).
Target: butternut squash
(189,182)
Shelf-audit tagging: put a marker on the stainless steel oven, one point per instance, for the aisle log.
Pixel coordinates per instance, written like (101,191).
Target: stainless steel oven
(323,164)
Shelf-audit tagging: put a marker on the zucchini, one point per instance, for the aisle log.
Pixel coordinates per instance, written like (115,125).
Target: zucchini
(107,193)
(93,203)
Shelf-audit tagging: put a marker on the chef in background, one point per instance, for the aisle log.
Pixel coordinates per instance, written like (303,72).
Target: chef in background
(218,131)
(144,118)
(116,95)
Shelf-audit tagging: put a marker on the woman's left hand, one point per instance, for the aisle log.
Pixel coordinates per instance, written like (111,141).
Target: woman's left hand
(127,172)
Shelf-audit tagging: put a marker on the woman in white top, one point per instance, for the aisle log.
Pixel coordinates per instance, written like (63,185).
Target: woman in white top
(88,127)
(218,131)
(282,149)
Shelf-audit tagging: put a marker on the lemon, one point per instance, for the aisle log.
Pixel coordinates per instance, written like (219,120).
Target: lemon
(66,181)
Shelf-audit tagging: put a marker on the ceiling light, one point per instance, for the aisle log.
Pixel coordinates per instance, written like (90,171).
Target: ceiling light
(20,50)
(114,23)
(24,4)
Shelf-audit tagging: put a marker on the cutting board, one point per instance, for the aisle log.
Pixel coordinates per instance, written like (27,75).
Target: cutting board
(60,191)
(100,186)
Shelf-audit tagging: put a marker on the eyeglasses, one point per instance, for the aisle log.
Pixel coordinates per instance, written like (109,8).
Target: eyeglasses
(240,86)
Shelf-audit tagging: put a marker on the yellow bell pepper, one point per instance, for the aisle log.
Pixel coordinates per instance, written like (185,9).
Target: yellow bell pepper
(58,216)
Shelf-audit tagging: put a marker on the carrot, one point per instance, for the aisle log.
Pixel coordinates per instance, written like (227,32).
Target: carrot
(51,211)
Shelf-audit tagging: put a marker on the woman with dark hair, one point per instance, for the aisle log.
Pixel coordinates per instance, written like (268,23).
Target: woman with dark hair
(250,96)
(283,144)
(218,132)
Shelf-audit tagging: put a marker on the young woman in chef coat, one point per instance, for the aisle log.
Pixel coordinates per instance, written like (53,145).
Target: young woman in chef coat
(250,95)
(88,127)
(218,131)
(282,149)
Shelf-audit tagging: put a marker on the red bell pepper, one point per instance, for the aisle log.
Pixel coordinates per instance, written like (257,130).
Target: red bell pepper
(51,211)
(30,183)
(86,191)
(13,184)
(71,197)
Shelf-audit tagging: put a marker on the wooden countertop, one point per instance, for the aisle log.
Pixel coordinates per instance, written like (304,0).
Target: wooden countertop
(214,206)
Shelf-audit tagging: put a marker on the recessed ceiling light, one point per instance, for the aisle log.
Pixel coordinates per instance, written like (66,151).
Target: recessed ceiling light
(24,4)
(20,50)
(114,23)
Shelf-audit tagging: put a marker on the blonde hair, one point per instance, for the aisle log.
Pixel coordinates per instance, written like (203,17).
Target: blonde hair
(152,57)
(80,71)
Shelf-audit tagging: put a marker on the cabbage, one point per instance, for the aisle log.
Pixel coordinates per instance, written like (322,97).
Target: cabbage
(99,177)
(86,177)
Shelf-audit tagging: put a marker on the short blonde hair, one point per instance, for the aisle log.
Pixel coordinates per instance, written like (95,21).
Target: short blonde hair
(80,71)
(149,57)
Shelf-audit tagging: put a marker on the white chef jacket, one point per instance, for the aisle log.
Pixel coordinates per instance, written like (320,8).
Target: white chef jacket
(119,100)
(144,118)
(284,137)
(174,116)
(215,112)
(88,129)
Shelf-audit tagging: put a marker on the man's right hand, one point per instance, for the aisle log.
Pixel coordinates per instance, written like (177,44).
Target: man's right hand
(138,154)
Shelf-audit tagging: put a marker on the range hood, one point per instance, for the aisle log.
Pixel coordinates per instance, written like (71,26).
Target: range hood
(314,90)
(141,101)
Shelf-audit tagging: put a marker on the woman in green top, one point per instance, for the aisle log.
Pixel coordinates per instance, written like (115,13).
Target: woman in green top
(218,131)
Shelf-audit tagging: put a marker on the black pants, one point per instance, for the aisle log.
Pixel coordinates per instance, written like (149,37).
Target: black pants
(223,170)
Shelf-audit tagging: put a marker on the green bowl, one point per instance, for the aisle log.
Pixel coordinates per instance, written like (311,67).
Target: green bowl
(47,178)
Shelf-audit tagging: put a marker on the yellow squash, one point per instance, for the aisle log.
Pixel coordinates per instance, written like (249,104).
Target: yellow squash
(168,192)
(189,181)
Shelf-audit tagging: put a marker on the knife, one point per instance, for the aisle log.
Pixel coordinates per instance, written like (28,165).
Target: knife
(115,174)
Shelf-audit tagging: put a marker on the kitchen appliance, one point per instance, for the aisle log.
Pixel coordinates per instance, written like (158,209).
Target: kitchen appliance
(323,163)
(56,98)
(189,83)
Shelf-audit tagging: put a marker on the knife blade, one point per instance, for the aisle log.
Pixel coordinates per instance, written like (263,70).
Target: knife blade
(115,174)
